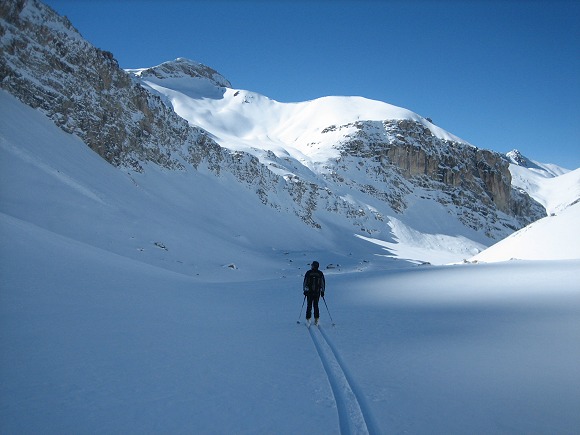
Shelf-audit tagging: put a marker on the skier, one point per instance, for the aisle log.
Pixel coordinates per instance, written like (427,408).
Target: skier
(314,285)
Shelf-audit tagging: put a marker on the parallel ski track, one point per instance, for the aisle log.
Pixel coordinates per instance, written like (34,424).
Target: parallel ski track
(350,414)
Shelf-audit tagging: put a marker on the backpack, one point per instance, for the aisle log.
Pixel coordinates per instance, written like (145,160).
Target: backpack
(314,281)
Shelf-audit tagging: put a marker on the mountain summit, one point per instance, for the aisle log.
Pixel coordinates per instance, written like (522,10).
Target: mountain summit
(183,68)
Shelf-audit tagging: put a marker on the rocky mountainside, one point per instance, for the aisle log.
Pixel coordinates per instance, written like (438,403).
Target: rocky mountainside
(516,158)
(47,64)
(375,168)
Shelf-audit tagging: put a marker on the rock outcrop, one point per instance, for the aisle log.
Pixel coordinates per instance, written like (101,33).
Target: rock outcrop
(403,156)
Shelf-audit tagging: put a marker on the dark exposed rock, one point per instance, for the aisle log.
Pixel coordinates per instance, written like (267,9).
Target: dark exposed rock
(478,181)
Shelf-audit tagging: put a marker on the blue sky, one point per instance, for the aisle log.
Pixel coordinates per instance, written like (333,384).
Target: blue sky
(499,74)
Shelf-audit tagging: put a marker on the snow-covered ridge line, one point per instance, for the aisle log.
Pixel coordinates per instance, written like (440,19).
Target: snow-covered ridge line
(327,141)
(265,117)
(545,169)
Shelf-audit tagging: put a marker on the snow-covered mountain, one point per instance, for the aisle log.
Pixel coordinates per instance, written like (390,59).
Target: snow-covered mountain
(379,155)
(129,305)
(335,162)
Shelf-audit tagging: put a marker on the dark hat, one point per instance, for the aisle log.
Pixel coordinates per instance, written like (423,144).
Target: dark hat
(315,264)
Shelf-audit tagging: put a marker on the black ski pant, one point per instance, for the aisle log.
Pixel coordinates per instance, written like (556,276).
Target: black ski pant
(312,300)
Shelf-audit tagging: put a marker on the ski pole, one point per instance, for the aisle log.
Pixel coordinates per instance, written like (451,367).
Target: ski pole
(333,324)
(299,314)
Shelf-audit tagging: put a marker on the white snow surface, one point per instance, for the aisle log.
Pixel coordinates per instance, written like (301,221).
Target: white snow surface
(552,186)
(167,302)
(556,237)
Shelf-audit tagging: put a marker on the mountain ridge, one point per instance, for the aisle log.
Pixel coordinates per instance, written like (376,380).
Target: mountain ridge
(320,133)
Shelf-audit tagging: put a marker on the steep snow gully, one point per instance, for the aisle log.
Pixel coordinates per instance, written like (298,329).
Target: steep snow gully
(353,415)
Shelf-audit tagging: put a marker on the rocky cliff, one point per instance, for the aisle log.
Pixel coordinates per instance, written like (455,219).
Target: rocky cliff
(47,64)
(476,181)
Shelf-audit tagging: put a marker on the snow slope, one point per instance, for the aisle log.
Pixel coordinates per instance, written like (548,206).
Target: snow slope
(248,121)
(93,342)
(300,139)
(183,220)
(555,193)
(167,302)
(243,120)
(554,237)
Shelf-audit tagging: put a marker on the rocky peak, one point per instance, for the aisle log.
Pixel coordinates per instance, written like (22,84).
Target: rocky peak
(183,68)
(517,158)
(470,181)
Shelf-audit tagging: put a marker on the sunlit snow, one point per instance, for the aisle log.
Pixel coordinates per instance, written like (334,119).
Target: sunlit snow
(167,302)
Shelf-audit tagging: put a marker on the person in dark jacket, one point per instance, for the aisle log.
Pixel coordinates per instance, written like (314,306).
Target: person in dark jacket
(314,285)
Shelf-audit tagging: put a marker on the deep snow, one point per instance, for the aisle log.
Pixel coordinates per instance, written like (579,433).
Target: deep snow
(120,313)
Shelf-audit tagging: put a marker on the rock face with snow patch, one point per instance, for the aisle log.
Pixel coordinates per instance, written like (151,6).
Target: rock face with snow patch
(184,67)
(404,153)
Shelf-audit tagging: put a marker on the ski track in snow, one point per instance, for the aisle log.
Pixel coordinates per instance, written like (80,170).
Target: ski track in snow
(350,412)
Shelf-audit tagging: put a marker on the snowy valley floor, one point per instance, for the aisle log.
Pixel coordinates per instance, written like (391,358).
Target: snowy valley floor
(93,342)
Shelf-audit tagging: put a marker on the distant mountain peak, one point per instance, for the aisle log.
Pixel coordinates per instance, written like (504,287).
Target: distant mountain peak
(182,68)
(517,158)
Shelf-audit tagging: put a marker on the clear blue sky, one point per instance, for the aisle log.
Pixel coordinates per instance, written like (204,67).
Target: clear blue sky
(499,74)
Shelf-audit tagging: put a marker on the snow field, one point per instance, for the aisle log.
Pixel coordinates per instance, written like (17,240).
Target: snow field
(102,330)
(94,342)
